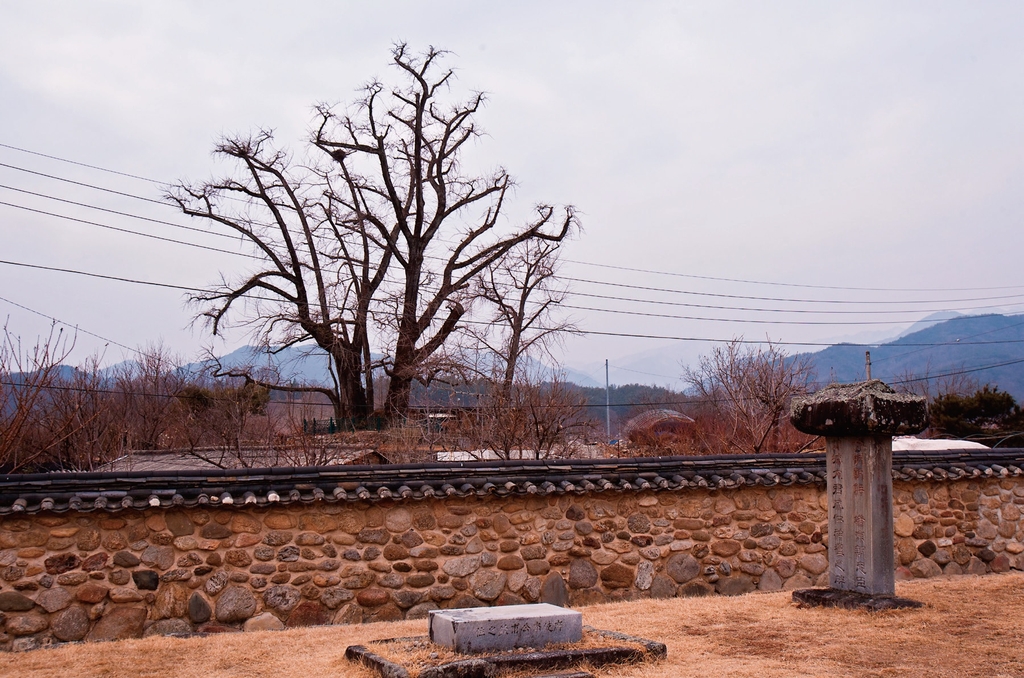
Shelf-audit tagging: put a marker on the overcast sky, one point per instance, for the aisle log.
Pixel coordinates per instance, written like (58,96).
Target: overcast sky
(865,145)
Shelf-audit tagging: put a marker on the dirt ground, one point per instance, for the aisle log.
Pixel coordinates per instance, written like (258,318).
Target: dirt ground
(970,626)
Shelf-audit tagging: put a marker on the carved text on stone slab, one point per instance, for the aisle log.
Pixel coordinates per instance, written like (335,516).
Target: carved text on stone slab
(517,628)
(860,495)
(837,513)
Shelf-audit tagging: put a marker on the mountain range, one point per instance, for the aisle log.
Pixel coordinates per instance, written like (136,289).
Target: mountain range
(986,348)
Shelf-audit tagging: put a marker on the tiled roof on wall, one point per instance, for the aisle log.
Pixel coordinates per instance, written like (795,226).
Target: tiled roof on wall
(114,491)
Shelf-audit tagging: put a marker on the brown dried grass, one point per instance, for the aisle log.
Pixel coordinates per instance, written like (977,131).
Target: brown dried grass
(417,653)
(970,626)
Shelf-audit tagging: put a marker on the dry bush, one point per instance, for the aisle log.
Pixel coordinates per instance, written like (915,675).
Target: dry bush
(531,420)
(29,379)
(742,396)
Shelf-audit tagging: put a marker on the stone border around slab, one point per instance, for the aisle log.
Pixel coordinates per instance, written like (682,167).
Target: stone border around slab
(483,666)
(851,600)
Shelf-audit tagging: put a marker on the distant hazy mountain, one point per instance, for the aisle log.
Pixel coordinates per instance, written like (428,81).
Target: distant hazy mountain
(926,322)
(308,365)
(661,366)
(961,345)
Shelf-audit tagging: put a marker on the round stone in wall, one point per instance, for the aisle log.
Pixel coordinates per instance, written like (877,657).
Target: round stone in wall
(682,567)
(235,604)
(70,624)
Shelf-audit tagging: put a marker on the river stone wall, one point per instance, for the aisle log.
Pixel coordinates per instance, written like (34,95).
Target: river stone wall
(102,576)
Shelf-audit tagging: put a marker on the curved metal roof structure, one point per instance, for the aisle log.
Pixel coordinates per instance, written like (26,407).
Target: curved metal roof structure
(652,418)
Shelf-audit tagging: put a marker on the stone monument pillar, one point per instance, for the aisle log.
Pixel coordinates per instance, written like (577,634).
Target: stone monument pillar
(858,422)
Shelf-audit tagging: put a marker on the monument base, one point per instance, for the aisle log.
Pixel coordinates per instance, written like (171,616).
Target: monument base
(851,600)
(618,648)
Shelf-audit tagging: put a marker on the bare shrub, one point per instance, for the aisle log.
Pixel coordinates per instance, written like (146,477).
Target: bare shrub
(743,394)
(28,379)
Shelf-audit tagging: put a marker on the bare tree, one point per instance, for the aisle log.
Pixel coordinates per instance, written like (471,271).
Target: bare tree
(398,153)
(949,382)
(531,420)
(297,291)
(524,291)
(748,389)
(28,380)
(383,233)
(147,388)
(82,425)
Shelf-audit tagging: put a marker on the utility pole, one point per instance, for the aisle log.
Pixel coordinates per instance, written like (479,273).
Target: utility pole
(867,364)
(607,404)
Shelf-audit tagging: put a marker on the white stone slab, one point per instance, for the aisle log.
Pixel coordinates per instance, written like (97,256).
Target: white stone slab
(506,627)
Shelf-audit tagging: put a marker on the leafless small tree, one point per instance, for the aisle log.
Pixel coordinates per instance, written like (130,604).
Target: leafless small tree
(531,420)
(748,389)
(28,379)
(82,425)
(950,382)
(524,292)
(147,388)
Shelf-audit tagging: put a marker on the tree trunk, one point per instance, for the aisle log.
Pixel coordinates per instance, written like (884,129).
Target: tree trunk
(351,396)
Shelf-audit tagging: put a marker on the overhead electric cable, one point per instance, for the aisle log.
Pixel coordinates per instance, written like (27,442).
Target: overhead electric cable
(83,184)
(959,372)
(585,332)
(787,343)
(80,164)
(124,230)
(712,340)
(572,261)
(795,301)
(634,300)
(100,275)
(123,214)
(972,336)
(798,285)
(67,324)
(732,320)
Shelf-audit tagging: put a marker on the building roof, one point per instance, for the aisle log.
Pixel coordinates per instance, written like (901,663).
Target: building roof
(651,418)
(116,491)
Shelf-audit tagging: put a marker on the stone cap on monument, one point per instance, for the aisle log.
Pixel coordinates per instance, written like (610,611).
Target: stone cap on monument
(867,408)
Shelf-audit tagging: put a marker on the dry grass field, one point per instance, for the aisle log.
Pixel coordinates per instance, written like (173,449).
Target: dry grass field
(971,626)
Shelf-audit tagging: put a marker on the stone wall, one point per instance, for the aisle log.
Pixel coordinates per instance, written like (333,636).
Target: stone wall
(105,575)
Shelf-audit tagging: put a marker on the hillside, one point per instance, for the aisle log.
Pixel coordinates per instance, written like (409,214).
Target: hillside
(962,347)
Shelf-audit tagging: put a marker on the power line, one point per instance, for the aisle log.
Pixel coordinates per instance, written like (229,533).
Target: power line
(732,320)
(123,214)
(80,164)
(715,307)
(959,372)
(798,285)
(787,300)
(124,230)
(584,332)
(740,340)
(585,281)
(693,400)
(972,336)
(573,261)
(83,184)
(105,277)
(583,294)
(66,324)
